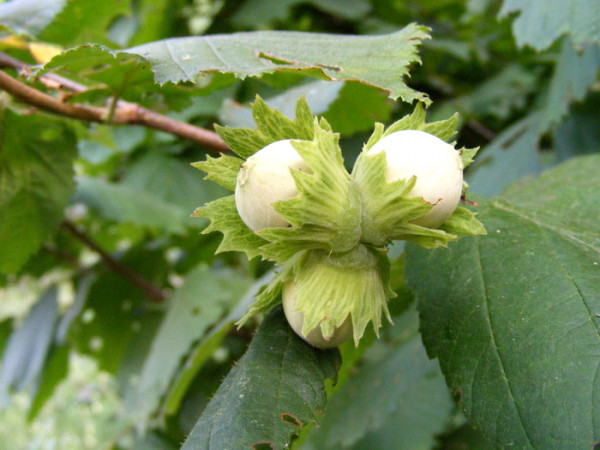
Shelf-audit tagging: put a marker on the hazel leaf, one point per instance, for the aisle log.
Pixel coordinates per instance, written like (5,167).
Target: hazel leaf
(224,218)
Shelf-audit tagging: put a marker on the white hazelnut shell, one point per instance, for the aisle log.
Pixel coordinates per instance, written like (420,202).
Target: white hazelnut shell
(436,164)
(314,336)
(264,179)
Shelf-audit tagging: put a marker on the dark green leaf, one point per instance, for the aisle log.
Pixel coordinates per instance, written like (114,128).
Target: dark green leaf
(396,399)
(381,61)
(115,310)
(579,133)
(257,13)
(36,181)
(512,316)
(357,108)
(275,389)
(206,346)
(197,305)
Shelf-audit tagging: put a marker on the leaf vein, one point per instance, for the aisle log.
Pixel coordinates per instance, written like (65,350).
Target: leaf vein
(587,308)
(177,63)
(495,346)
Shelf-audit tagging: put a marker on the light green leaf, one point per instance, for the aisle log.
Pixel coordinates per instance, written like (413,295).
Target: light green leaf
(197,305)
(171,180)
(541,22)
(511,156)
(112,73)
(574,74)
(28,17)
(127,204)
(381,61)
(512,316)
(84,21)
(28,347)
(56,369)
(275,389)
(36,181)
(396,398)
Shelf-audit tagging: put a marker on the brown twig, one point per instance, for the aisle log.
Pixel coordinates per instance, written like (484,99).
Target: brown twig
(481,129)
(126,113)
(115,265)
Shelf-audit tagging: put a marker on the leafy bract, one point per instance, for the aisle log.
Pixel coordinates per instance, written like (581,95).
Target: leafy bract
(380,61)
(275,389)
(36,181)
(271,126)
(541,22)
(387,208)
(512,316)
(324,214)
(224,218)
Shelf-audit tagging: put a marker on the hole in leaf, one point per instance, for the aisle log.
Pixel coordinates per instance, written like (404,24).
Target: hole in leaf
(291,419)
(263,446)
(458,395)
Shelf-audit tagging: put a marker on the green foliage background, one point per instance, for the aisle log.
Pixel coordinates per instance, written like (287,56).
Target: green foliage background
(496,339)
